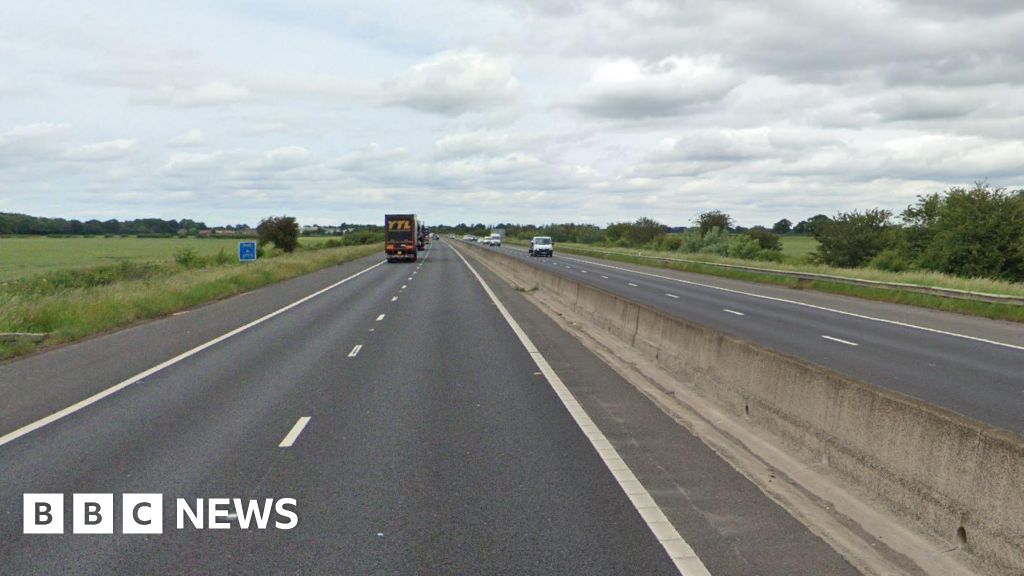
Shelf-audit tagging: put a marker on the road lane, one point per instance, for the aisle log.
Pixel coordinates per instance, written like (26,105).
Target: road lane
(975,378)
(436,449)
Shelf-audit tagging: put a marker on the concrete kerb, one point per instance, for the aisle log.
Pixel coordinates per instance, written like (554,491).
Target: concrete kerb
(955,477)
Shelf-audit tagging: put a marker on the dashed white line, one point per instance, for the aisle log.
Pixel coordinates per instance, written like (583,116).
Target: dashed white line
(355,351)
(605,277)
(671,295)
(807,305)
(403,286)
(631,284)
(393,298)
(847,342)
(733,312)
(584,271)
(409,278)
(379,318)
(293,434)
(28,428)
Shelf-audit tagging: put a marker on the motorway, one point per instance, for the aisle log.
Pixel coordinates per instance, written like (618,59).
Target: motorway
(407,410)
(973,366)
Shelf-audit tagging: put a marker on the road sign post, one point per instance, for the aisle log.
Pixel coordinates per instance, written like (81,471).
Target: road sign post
(247,251)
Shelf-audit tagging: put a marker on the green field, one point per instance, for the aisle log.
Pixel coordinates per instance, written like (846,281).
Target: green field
(798,246)
(22,256)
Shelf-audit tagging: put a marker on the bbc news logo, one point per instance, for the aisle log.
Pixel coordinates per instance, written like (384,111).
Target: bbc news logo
(144,514)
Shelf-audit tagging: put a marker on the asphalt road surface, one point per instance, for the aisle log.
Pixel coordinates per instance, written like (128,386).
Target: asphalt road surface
(973,366)
(404,415)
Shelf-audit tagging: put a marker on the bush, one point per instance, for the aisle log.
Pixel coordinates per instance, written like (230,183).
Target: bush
(712,219)
(745,247)
(715,241)
(766,239)
(891,260)
(222,258)
(671,243)
(281,231)
(976,232)
(854,238)
(187,257)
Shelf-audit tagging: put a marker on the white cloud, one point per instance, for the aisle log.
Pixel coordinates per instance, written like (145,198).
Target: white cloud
(670,87)
(184,162)
(101,151)
(454,83)
(210,94)
(286,157)
(193,137)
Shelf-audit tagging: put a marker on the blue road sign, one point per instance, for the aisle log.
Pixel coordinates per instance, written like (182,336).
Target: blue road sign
(246,251)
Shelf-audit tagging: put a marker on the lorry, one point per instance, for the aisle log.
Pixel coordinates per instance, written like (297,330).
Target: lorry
(401,236)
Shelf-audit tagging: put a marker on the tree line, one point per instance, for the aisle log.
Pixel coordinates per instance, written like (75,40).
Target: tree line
(36,225)
(969,232)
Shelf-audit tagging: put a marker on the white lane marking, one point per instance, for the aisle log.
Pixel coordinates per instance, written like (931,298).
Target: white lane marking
(633,285)
(14,435)
(379,318)
(605,277)
(355,351)
(672,296)
(403,286)
(180,313)
(814,306)
(393,298)
(584,271)
(847,342)
(684,558)
(293,434)
(733,312)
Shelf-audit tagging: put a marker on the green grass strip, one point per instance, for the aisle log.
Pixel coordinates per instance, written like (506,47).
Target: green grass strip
(77,312)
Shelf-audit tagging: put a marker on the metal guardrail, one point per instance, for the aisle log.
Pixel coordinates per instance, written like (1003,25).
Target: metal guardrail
(22,337)
(810,276)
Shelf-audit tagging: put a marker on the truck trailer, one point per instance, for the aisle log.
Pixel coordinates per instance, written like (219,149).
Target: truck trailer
(401,235)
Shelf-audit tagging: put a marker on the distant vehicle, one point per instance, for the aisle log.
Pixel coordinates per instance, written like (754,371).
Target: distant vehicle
(469,238)
(542,246)
(422,239)
(486,240)
(401,232)
(495,240)
(435,237)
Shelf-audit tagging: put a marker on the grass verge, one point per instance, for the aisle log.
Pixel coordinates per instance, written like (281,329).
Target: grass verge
(1011,312)
(70,311)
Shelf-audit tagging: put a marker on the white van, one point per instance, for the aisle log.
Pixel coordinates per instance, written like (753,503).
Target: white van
(542,246)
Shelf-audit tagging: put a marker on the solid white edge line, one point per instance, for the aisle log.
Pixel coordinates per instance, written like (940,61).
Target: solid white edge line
(14,435)
(806,305)
(733,312)
(841,341)
(684,558)
(355,351)
(293,434)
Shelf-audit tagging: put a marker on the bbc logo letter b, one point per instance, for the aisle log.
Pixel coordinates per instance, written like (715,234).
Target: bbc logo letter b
(92,514)
(43,514)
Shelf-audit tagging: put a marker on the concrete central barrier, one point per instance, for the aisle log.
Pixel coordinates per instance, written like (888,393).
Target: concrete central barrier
(955,477)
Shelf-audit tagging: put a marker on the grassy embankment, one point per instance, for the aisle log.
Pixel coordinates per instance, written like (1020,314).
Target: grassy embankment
(72,303)
(797,248)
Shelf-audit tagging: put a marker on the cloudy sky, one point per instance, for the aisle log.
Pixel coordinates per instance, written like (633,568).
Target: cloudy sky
(492,110)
